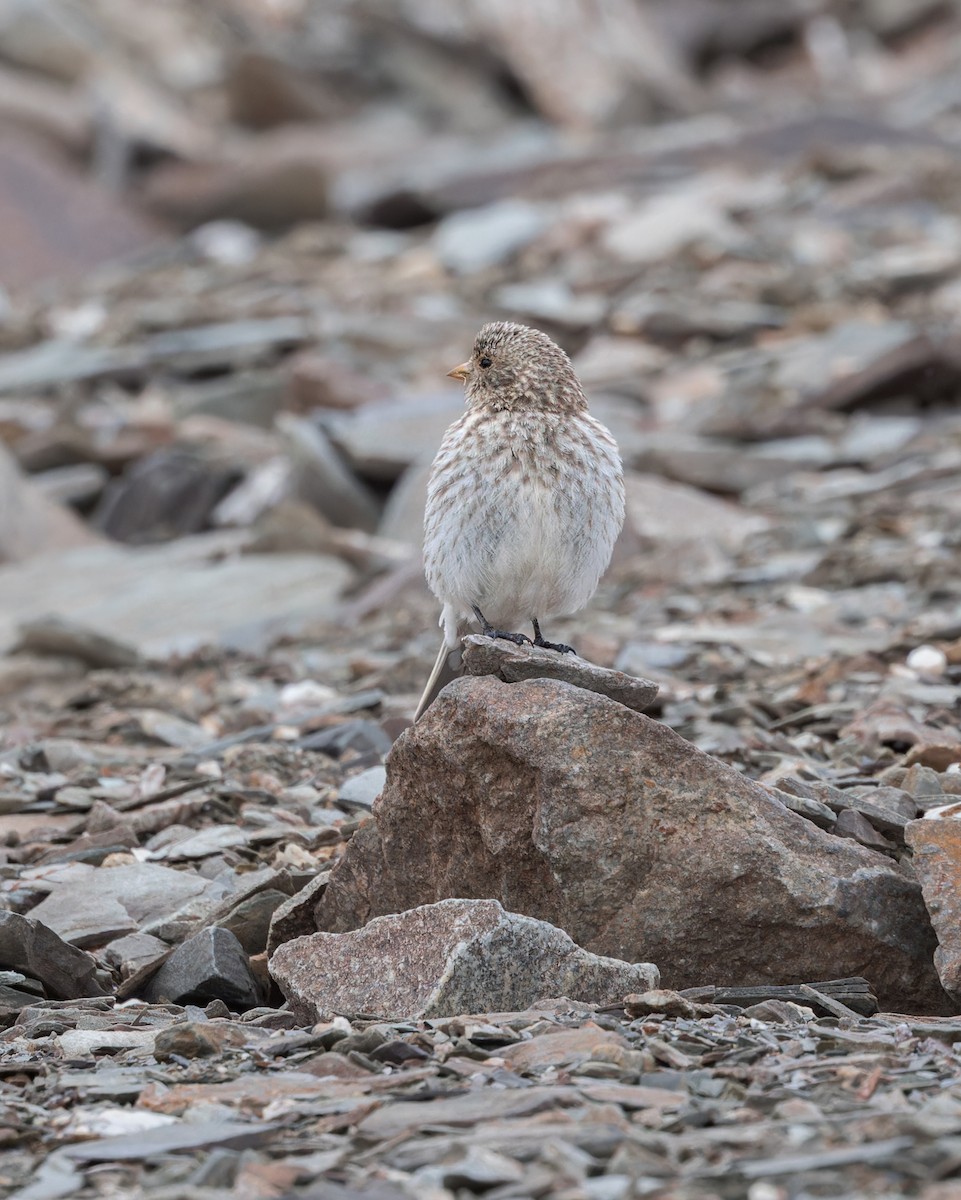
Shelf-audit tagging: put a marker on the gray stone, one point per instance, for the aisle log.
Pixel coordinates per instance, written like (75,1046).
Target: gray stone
(50,39)
(202,843)
(667,222)
(675,318)
(295,917)
(936,845)
(176,925)
(891,799)
(17,991)
(512,664)
(552,300)
(57,635)
(251,397)
(209,966)
(659,511)
(133,952)
(838,360)
(382,440)
(477,238)
(852,824)
(806,806)
(360,791)
(78,483)
(98,905)
(924,783)
(168,1139)
(210,595)
(250,919)
(84,1043)
(403,517)
(167,494)
(727,466)
(870,437)
(457,956)
(322,478)
(469,1110)
(63,360)
(28,945)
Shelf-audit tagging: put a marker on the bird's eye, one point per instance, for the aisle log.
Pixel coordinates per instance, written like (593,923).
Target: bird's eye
(485,362)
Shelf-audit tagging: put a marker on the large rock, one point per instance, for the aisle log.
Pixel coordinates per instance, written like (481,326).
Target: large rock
(458,956)
(569,807)
(29,946)
(209,966)
(936,842)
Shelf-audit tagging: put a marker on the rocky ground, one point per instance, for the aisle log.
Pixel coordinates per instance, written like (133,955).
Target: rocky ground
(244,242)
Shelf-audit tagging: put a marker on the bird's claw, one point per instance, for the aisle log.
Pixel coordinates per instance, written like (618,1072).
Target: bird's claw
(519,639)
(539,640)
(560,647)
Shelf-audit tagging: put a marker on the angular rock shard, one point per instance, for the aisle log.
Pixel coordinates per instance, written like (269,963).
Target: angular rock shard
(457,956)
(511,663)
(209,966)
(573,809)
(31,947)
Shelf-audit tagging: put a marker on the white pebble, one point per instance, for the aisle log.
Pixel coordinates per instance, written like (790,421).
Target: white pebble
(927,660)
(306,693)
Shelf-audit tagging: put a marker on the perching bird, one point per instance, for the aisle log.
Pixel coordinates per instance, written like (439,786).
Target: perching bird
(525,498)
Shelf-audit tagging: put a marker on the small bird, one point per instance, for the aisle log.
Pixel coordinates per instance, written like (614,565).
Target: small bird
(525,498)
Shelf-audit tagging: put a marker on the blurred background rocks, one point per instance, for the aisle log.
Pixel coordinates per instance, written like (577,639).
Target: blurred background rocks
(242,243)
(245,239)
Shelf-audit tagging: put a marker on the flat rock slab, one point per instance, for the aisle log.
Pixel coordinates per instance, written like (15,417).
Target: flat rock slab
(457,956)
(937,860)
(98,905)
(381,440)
(574,809)
(511,663)
(211,595)
(561,1047)
(466,1110)
(168,1139)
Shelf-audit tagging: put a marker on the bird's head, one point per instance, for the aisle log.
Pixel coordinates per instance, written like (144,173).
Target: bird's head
(514,367)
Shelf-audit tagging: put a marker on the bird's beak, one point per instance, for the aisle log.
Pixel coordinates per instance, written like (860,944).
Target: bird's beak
(460,372)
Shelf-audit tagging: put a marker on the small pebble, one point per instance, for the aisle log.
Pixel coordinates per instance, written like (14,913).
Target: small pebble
(927,660)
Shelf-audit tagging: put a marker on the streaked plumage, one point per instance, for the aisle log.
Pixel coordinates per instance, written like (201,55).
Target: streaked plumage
(526,494)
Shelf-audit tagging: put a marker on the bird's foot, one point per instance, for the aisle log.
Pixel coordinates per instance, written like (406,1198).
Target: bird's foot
(488,630)
(519,639)
(560,647)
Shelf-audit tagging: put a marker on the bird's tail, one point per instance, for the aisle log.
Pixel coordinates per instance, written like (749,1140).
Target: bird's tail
(447,668)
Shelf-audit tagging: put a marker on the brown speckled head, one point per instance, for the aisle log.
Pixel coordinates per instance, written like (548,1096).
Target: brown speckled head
(514,367)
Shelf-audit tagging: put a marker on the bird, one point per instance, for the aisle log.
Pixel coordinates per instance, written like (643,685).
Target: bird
(525,497)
